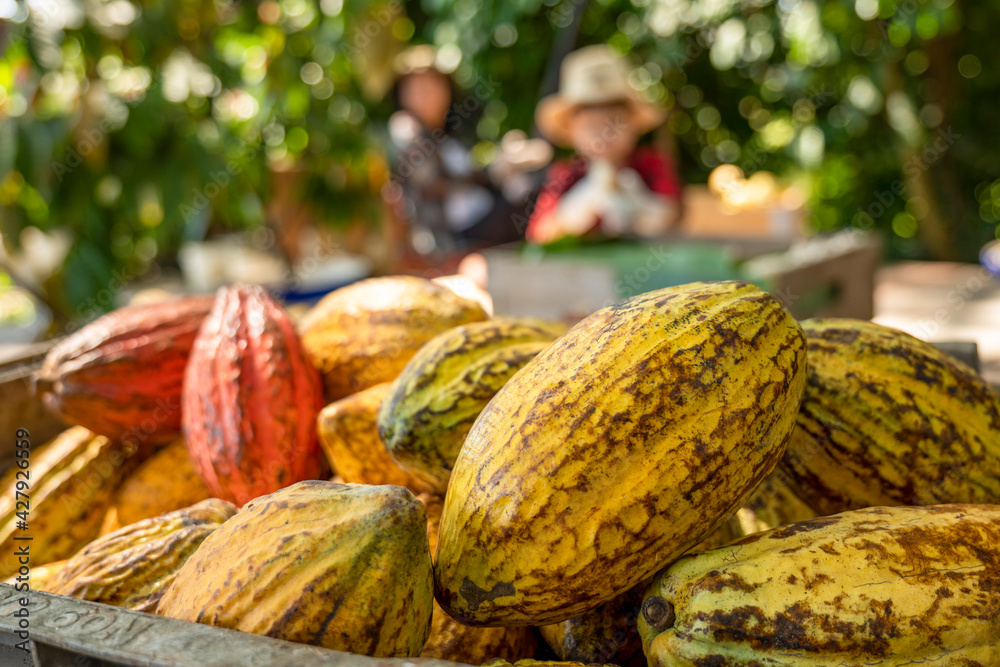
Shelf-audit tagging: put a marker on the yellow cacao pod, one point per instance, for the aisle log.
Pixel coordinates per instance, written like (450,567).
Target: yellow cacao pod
(877,586)
(363,334)
(343,566)
(72,480)
(466,287)
(350,440)
(433,403)
(434,505)
(133,566)
(615,450)
(39,577)
(888,419)
(450,640)
(165,482)
(541,663)
(744,522)
(774,503)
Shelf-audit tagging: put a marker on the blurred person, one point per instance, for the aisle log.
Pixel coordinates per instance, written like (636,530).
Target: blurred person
(447,204)
(612,187)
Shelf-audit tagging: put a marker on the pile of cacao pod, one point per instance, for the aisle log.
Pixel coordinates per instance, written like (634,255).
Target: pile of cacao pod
(687,477)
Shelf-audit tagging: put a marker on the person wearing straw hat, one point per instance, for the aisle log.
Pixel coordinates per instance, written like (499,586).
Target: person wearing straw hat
(437,189)
(611,187)
(448,203)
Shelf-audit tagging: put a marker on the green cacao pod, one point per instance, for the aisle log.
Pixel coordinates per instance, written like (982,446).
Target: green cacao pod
(888,419)
(615,450)
(433,403)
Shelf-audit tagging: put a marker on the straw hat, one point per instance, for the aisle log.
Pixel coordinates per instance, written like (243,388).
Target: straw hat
(590,76)
(416,59)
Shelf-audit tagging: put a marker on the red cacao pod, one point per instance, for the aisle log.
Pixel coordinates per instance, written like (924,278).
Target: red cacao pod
(251,396)
(121,375)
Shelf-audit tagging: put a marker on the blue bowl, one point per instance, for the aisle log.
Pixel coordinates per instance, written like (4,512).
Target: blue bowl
(294,294)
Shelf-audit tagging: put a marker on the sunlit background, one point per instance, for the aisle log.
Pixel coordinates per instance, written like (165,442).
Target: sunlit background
(127,129)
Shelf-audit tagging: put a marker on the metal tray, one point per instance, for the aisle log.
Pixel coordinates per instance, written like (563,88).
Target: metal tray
(65,632)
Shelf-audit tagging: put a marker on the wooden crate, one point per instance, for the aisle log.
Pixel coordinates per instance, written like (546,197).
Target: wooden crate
(706,216)
(19,408)
(841,284)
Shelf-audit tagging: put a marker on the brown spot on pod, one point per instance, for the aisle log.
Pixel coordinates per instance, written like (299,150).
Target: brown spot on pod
(476,595)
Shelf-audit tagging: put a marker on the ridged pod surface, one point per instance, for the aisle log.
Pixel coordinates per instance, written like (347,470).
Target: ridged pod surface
(343,566)
(878,586)
(364,334)
(615,450)
(251,397)
(73,478)
(133,566)
(121,375)
(434,505)
(350,440)
(888,419)
(450,640)
(744,522)
(40,575)
(607,634)
(165,482)
(540,663)
(775,504)
(433,403)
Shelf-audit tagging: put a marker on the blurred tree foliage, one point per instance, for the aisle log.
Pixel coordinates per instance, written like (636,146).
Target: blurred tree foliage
(138,126)
(881,109)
